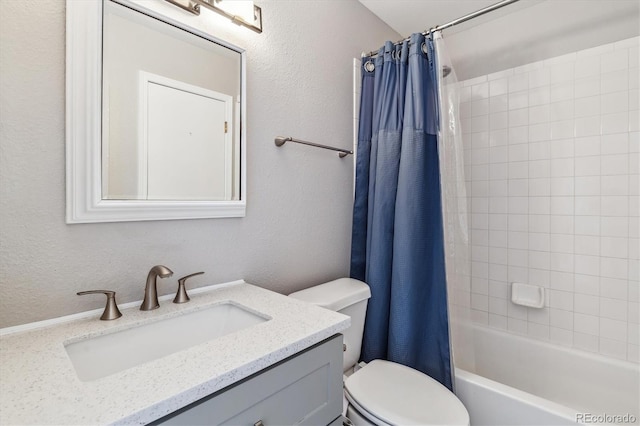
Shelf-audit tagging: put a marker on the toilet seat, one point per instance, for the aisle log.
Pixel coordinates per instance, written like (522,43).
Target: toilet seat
(390,393)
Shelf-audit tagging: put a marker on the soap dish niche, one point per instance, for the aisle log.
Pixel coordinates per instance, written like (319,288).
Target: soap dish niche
(531,296)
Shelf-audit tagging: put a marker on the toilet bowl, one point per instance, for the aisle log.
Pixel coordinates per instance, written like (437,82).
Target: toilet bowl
(382,392)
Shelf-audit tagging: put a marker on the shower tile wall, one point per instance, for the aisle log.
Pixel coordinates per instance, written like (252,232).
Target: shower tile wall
(551,159)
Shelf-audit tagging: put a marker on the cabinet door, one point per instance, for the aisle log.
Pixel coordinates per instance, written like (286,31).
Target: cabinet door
(305,389)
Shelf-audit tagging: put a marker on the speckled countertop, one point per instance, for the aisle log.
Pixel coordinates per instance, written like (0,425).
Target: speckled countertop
(38,383)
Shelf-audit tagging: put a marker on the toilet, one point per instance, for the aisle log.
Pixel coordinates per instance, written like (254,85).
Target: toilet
(382,392)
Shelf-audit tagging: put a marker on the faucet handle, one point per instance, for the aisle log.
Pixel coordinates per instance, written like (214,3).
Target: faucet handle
(181,295)
(111,310)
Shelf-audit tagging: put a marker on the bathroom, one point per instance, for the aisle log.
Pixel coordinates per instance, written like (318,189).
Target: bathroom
(297,226)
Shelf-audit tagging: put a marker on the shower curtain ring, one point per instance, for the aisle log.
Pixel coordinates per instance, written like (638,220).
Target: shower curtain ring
(369,66)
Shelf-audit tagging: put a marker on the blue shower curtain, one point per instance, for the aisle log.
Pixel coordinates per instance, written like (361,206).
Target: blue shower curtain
(397,241)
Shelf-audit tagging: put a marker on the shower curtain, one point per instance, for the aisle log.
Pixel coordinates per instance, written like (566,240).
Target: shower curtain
(397,241)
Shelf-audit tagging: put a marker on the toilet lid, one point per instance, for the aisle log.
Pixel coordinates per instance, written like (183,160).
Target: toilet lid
(400,395)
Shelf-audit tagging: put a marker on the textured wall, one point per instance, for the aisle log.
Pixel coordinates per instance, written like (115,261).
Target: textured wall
(297,229)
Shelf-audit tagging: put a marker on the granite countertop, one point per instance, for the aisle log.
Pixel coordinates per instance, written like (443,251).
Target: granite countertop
(38,383)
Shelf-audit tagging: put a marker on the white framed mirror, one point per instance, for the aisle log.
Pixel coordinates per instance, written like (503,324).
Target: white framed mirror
(155,116)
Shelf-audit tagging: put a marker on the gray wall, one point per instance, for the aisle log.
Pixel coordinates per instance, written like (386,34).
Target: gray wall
(298,224)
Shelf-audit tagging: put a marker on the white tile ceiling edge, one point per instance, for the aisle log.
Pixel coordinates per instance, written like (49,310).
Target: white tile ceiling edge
(517,34)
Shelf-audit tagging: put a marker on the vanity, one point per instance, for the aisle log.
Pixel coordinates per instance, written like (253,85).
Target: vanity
(285,368)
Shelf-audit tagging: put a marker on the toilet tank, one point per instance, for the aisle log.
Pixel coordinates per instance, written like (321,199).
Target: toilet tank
(349,297)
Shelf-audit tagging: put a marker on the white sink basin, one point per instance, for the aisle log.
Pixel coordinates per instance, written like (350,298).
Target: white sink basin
(101,356)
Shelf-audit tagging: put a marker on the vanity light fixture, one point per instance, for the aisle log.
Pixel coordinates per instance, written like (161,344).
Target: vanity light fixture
(240,12)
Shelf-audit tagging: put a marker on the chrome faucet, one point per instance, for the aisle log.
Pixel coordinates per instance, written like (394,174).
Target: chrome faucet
(150,301)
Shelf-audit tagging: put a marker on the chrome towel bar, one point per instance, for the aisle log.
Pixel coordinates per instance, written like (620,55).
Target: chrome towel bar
(280,140)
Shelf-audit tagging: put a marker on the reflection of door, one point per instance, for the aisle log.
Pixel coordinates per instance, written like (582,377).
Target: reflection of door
(186,141)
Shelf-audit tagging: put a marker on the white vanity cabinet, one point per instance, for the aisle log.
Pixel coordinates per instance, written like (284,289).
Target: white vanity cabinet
(304,389)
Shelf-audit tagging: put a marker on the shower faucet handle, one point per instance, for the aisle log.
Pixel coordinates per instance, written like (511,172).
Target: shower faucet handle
(111,310)
(181,295)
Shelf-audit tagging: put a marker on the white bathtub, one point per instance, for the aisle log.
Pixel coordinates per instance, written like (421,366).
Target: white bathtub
(520,381)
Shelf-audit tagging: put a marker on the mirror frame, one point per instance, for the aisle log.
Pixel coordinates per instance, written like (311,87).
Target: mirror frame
(83,132)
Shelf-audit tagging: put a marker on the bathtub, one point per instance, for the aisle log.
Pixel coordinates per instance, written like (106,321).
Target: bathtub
(520,381)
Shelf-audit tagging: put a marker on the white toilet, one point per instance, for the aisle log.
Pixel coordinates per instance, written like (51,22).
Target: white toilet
(382,392)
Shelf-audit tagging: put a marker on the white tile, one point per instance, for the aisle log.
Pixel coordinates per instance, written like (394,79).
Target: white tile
(480,91)
(593,51)
(634,78)
(539,114)
(539,206)
(517,326)
(480,237)
(465,92)
(587,225)
(561,300)
(518,240)
(518,188)
(587,206)
(634,121)
(615,309)
(479,317)
(633,333)
(479,140)
(561,92)
(562,262)
(562,129)
(519,117)
(614,288)
(588,106)
(587,185)
(480,205)
(587,245)
(518,205)
(615,205)
(498,103)
(480,123)
(540,260)
(585,342)
(563,224)
(539,187)
(500,74)
(498,255)
(587,324)
(518,82)
(586,304)
(569,57)
(614,81)
(497,321)
(587,126)
(519,134)
(589,86)
(561,336)
(480,285)
(518,100)
(538,242)
(614,123)
(561,167)
(562,72)
(613,329)
(562,206)
(617,143)
(614,102)
(587,66)
(614,61)
(498,154)
(617,164)
(479,269)
(498,171)
(497,239)
(627,43)
(562,243)
(614,226)
(587,146)
(538,331)
(561,110)
(498,120)
(539,132)
(539,77)
(498,222)
(542,168)
(587,166)
(519,152)
(498,205)
(561,318)
(516,311)
(480,107)
(539,222)
(539,96)
(587,265)
(498,87)
(539,277)
(498,306)
(518,257)
(611,267)
(498,289)
(634,100)
(562,186)
(498,188)
(587,284)
(613,348)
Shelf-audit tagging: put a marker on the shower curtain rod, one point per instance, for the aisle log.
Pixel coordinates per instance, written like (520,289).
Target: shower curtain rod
(454,22)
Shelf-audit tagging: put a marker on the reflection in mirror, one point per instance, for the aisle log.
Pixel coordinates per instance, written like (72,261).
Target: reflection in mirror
(155,110)
(170,112)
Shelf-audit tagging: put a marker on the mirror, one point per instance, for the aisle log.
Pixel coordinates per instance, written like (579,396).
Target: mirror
(155,116)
